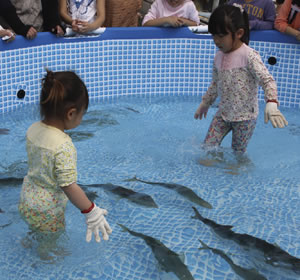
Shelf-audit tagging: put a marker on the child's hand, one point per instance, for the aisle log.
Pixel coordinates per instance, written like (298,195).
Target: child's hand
(96,222)
(202,110)
(274,115)
(76,24)
(85,27)
(175,21)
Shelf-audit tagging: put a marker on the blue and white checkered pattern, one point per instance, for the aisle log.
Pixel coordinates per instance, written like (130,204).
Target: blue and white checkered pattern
(110,68)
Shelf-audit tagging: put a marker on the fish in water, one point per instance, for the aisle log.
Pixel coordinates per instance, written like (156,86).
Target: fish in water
(78,136)
(133,110)
(273,255)
(245,273)
(168,260)
(10,181)
(90,194)
(180,189)
(135,197)
(4,131)
(6,225)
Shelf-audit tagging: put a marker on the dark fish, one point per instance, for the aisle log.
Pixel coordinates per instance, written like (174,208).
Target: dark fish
(182,190)
(6,225)
(167,259)
(133,110)
(135,197)
(10,181)
(99,118)
(247,274)
(90,194)
(99,122)
(78,136)
(17,169)
(4,131)
(273,255)
(1,211)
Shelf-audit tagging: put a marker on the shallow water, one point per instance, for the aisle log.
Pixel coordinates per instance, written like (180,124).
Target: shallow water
(157,140)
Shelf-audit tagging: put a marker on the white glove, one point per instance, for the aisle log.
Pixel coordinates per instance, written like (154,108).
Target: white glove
(274,115)
(96,222)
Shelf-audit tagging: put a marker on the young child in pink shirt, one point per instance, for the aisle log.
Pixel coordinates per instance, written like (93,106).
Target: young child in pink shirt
(237,72)
(172,13)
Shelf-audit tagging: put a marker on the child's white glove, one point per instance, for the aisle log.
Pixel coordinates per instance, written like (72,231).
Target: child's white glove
(96,222)
(274,115)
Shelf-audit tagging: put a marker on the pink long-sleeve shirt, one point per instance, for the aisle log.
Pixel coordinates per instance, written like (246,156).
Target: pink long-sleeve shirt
(161,8)
(236,77)
(282,19)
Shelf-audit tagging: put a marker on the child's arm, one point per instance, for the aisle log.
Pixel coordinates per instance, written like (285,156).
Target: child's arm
(63,11)
(98,22)
(267,82)
(165,21)
(188,22)
(94,215)
(77,196)
(209,97)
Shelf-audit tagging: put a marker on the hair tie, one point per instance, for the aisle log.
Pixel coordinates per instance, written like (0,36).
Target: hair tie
(50,76)
(239,6)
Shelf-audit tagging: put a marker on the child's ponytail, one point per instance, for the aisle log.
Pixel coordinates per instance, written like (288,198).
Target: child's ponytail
(246,37)
(60,92)
(52,93)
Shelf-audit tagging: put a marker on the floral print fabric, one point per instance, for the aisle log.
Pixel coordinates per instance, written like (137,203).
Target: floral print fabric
(52,165)
(236,78)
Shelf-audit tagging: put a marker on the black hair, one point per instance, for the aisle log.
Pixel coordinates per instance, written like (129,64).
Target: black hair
(293,12)
(296,2)
(62,91)
(229,18)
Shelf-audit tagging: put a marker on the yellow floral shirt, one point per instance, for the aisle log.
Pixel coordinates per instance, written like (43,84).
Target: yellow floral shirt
(52,164)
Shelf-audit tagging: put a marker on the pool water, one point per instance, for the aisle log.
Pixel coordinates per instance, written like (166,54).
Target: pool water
(156,139)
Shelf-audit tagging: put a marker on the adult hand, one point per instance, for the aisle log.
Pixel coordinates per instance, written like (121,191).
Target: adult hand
(201,111)
(58,31)
(7,35)
(96,222)
(31,33)
(274,115)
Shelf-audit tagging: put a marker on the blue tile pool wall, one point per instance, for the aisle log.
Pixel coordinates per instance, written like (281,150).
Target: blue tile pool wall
(113,68)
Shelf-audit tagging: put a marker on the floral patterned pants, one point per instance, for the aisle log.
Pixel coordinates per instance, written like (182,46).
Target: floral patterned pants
(241,133)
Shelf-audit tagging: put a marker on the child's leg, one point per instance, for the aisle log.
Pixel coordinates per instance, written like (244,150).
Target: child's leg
(48,245)
(218,129)
(241,134)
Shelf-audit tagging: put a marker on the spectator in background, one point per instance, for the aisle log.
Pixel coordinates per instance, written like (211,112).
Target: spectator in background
(31,16)
(278,4)
(288,18)
(83,15)
(175,13)
(261,14)
(120,13)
